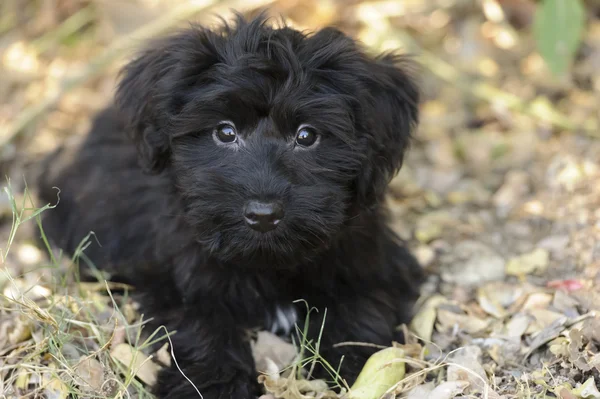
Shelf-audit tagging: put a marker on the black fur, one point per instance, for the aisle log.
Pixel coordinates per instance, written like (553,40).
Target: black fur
(173,226)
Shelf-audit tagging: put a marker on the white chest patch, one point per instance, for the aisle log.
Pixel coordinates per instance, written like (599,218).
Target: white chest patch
(282,321)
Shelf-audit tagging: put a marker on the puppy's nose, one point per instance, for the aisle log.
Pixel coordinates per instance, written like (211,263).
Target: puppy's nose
(263,216)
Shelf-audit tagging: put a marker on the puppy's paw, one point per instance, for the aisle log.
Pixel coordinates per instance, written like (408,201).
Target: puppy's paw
(212,384)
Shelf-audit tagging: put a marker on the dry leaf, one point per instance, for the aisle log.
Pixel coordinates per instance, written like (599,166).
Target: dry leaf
(432,224)
(587,390)
(565,304)
(137,362)
(16,330)
(163,355)
(472,263)
(292,388)
(543,319)
(517,325)
(546,335)
(270,346)
(91,372)
(495,297)
(382,371)
(469,324)
(448,390)
(536,261)
(54,388)
(423,322)
(537,300)
(421,391)
(466,366)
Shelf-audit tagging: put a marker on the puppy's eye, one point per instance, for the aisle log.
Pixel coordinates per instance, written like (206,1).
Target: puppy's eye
(225,133)
(306,136)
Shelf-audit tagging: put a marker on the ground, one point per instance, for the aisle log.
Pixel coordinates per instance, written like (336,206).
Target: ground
(499,198)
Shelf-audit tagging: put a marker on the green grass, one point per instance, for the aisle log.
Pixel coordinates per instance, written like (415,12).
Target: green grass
(52,339)
(61,329)
(72,329)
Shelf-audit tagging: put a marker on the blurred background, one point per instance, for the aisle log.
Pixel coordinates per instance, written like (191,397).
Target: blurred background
(499,196)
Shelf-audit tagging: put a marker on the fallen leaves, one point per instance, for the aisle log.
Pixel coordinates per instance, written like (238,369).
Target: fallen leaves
(471,263)
(500,205)
(136,363)
(14,330)
(465,365)
(508,328)
(446,390)
(272,353)
(423,322)
(289,387)
(534,262)
(92,374)
(381,372)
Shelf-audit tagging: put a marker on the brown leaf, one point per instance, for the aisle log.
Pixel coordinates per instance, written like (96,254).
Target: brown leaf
(466,366)
(91,373)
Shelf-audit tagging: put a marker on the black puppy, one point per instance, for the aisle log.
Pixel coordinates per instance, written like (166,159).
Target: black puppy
(265,159)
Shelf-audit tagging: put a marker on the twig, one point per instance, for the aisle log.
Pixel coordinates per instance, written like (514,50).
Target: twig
(366,344)
(65,29)
(114,52)
(9,17)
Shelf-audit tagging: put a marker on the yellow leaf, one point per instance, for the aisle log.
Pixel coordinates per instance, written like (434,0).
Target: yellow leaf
(137,363)
(382,371)
(423,322)
(536,260)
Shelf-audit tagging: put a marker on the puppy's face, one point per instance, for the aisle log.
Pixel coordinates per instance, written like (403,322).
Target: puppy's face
(267,171)
(274,139)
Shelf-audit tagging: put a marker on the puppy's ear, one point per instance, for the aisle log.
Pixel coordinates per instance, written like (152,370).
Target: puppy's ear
(391,116)
(153,86)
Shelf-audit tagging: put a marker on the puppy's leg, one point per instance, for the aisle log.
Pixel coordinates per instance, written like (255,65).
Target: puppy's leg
(214,354)
(366,310)
(351,320)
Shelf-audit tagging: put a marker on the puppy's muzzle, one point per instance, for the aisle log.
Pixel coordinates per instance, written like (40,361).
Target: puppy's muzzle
(263,216)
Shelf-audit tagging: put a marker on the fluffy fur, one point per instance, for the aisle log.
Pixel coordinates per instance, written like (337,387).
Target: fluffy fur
(165,199)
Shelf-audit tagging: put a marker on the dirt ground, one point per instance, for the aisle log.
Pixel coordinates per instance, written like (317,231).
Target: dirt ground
(499,198)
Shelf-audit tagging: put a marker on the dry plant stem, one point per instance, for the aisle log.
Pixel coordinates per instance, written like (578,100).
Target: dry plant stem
(65,29)
(120,47)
